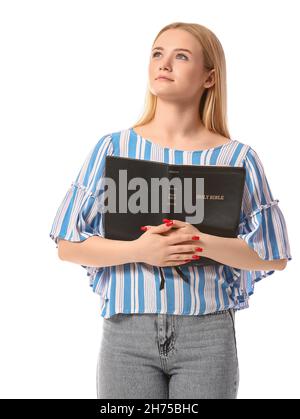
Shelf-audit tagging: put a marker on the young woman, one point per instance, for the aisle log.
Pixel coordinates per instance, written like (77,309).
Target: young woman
(177,341)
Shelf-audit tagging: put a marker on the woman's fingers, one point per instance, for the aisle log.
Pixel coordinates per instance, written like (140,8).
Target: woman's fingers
(175,223)
(184,248)
(161,228)
(179,237)
(183,256)
(165,226)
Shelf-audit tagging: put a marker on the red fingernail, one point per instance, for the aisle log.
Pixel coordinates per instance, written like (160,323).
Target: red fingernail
(198,249)
(196,257)
(169,223)
(195,238)
(166,220)
(143,228)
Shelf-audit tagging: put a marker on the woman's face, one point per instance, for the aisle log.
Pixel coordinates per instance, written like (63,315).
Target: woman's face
(189,77)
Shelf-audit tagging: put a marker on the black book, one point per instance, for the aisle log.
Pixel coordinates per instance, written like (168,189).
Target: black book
(216,208)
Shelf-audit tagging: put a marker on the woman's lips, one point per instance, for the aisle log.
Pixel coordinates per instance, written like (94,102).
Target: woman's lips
(163,78)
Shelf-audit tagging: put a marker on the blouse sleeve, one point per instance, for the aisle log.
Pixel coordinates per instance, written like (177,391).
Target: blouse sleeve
(263,226)
(262,223)
(78,217)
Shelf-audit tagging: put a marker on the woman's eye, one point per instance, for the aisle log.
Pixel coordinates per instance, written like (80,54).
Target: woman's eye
(159,53)
(183,55)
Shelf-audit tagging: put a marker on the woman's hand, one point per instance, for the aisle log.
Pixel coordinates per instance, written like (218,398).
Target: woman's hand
(202,243)
(184,226)
(168,244)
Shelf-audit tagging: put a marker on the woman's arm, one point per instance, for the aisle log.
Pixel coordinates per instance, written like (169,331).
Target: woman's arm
(235,252)
(97,251)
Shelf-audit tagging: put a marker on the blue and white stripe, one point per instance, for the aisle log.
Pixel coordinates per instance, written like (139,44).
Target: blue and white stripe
(134,287)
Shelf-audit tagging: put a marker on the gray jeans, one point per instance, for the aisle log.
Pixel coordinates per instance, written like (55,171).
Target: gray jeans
(166,356)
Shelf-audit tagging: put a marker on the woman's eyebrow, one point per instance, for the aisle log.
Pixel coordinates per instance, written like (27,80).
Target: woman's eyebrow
(175,49)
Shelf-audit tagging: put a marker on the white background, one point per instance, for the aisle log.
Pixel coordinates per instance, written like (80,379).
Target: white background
(72,71)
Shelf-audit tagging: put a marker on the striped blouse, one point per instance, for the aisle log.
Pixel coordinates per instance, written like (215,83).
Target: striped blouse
(135,287)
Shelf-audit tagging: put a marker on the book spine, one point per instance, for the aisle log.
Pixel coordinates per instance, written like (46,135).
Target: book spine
(172,172)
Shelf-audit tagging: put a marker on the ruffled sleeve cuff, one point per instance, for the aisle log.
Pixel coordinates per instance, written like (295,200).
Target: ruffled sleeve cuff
(265,231)
(78,217)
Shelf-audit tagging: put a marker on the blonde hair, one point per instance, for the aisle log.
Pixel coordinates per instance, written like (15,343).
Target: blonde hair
(213,104)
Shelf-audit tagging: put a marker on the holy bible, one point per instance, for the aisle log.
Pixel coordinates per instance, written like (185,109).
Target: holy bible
(143,192)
